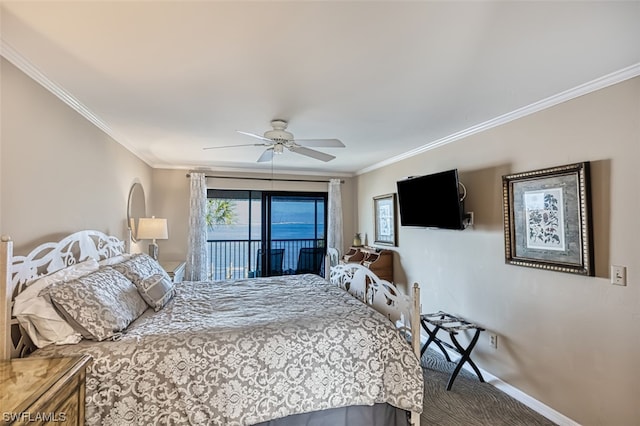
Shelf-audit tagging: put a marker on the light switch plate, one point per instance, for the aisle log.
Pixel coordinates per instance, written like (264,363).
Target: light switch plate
(618,275)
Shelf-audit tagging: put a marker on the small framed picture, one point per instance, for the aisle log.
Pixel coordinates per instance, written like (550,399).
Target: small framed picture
(547,219)
(384,207)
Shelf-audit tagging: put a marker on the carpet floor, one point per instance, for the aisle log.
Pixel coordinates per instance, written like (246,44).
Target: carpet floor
(469,402)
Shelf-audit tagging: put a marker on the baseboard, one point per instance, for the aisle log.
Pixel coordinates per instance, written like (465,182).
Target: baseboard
(537,406)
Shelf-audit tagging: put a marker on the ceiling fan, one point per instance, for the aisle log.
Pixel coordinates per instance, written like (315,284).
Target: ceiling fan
(278,139)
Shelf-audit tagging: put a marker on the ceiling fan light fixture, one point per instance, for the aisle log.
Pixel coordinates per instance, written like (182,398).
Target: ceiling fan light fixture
(278,135)
(276,140)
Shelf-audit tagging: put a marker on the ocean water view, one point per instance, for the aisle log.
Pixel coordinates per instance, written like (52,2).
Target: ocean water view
(233,252)
(279,231)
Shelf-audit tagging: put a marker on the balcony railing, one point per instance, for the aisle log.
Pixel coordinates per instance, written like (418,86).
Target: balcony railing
(234,259)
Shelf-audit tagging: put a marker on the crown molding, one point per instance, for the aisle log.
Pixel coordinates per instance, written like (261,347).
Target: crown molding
(583,89)
(24,65)
(632,71)
(257,171)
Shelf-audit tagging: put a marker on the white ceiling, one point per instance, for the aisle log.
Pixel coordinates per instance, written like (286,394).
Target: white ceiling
(167,78)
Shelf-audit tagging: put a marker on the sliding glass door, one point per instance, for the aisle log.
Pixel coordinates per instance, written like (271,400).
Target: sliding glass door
(234,232)
(295,227)
(264,233)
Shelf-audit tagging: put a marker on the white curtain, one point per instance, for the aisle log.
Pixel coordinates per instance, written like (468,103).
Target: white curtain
(334,228)
(197,249)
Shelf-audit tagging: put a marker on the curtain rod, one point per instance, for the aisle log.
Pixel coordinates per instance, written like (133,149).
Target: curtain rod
(267,179)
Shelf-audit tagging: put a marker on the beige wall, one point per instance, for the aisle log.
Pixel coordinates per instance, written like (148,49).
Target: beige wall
(171,200)
(571,342)
(58,172)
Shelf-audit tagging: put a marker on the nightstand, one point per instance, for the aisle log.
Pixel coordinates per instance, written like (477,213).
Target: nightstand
(175,269)
(43,390)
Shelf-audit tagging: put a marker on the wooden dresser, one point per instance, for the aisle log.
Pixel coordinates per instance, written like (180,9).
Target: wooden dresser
(38,391)
(380,261)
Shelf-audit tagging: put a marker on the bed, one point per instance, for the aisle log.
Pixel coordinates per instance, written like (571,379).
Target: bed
(271,351)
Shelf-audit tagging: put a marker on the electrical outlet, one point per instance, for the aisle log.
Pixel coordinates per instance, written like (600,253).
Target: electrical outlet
(618,275)
(493,340)
(469,217)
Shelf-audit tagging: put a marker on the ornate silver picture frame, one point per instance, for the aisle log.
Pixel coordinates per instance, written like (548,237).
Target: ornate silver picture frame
(547,219)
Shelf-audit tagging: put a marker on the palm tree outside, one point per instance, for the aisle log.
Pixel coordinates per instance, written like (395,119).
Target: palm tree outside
(220,212)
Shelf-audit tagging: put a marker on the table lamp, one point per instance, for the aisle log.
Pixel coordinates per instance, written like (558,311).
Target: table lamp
(152,228)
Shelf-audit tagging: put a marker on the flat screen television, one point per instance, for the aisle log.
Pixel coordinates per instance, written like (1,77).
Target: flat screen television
(432,201)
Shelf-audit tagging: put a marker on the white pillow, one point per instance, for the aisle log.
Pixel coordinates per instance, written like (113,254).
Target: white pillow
(37,315)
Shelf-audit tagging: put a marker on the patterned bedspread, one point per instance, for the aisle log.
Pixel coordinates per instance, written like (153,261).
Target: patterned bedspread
(247,351)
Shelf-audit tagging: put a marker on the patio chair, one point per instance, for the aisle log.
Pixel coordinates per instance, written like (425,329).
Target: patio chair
(275,262)
(310,260)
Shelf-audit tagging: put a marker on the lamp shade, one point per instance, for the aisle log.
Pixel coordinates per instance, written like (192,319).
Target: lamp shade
(152,228)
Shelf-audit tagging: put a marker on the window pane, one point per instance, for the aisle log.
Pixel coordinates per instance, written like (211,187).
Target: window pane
(233,234)
(297,222)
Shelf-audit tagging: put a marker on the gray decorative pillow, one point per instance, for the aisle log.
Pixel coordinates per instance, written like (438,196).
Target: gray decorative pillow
(156,290)
(98,305)
(140,267)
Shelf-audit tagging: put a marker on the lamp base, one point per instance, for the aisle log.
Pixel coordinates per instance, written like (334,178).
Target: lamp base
(153,251)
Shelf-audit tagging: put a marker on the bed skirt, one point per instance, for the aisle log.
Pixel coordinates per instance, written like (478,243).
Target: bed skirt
(356,415)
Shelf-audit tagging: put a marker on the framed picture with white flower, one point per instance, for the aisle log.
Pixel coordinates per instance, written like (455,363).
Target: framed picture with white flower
(547,219)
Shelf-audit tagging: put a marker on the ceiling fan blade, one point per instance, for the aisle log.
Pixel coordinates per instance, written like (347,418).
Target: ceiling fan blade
(235,146)
(312,153)
(266,156)
(253,135)
(320,143)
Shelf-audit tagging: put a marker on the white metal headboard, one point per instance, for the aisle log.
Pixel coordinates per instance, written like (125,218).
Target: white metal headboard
(19,271)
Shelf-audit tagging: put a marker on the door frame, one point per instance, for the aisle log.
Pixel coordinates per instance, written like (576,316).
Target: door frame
(266,218)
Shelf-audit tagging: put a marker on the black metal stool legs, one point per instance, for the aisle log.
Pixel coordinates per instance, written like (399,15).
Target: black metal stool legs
(452,325)
(465,357)
(432,338)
